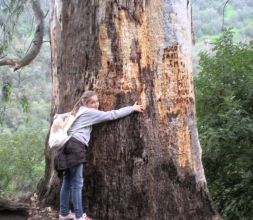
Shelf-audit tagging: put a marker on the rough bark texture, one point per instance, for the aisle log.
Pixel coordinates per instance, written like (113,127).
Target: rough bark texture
(14,209)
(145,166)
(10,205)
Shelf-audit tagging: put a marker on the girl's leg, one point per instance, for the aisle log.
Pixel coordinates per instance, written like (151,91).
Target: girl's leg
(76,189)
(65,194)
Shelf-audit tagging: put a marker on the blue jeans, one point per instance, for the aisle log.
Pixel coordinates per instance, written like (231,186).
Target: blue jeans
(72,184)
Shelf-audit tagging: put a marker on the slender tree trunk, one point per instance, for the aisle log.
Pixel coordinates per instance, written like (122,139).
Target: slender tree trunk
(145,166)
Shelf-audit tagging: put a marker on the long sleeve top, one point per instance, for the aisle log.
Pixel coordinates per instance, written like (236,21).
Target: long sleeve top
(82,127)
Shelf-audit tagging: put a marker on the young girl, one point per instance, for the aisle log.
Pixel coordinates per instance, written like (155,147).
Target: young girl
(75,150)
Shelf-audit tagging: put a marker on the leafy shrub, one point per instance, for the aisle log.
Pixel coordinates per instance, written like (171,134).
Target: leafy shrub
(224,101)
(21,161)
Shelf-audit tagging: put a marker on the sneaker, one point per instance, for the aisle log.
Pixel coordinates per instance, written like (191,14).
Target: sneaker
(84,217)
(67,217)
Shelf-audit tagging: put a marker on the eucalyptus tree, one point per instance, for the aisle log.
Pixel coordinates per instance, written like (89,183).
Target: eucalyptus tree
(144,166)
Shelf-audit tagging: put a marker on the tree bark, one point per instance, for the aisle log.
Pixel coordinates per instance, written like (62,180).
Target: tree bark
(145,166)
(14,208)
(12,205)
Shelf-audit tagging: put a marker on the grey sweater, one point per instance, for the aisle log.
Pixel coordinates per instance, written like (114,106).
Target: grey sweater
(82,127)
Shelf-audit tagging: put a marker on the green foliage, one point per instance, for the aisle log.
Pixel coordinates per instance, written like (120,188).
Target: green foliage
(23,89)
(21,161)
(6,92)
(229,12)
(25,97)
(207,23)
(9,15)
(207,17)
(25,104)
(224,101)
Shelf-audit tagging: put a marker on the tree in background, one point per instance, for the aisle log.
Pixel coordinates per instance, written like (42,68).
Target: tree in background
(37,41)
(224,100)
(24,100)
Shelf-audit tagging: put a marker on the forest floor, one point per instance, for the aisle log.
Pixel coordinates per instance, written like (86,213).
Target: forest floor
(39,213)
(31,210)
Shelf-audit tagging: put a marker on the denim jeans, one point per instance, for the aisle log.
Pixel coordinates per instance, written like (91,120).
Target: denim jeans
(72,184)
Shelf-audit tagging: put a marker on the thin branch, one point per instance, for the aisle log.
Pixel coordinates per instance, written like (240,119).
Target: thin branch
(29,47)
(223,13)
(46,14)
(36,42)
(3,57)
(7,61)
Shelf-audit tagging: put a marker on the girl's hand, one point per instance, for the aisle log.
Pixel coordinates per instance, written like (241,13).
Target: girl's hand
(138,108)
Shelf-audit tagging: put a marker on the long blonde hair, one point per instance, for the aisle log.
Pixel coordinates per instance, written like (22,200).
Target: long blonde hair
(83,100)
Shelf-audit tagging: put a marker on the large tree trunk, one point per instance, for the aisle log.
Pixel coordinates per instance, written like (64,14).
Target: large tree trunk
(145,166)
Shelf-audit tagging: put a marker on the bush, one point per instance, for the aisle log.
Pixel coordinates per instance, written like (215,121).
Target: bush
(21,161)
(224,102)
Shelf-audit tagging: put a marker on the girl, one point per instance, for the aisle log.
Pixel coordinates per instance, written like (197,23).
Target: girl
(75,150)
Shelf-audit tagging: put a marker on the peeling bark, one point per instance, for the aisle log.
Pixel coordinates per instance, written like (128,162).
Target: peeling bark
(36,43)
(145,166)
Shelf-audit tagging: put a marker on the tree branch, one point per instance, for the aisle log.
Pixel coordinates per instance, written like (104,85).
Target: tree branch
(36,42)
(46,13)
(7,61)
(3,57)
(223,13)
